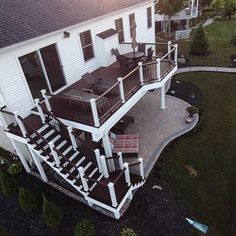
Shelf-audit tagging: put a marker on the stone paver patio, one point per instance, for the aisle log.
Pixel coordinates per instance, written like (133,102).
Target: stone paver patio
(158,127)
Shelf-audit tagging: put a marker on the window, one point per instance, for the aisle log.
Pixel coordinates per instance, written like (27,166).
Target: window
(120,29)
(149,17)
(87,45)
(131,18)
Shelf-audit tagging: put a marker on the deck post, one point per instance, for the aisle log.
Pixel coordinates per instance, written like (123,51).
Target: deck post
(54,154)
(72,138)
(2,119)
(192,5)
(120,158)
(141,171)
(127,174)
(38,164)
(97,154)
(48,106)
(83,180)
(104,166)
(94,112)
(41,114)
(21,125)
(112,194)
(169,49)
(121,88)
(158,69)
(163,102)
(176,54)
(140,64)
(21,156)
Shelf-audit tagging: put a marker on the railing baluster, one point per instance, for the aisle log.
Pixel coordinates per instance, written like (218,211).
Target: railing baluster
(140,64)
(121,89)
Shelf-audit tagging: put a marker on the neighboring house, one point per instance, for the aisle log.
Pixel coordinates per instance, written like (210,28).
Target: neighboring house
(180,22)
(45,48)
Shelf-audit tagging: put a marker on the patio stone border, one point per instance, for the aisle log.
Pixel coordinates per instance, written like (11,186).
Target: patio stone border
(152,161)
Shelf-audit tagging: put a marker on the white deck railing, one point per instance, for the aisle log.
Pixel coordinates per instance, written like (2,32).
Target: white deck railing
(183,34)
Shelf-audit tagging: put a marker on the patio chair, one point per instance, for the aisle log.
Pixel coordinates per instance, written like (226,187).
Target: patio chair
(142,47)
(149,56)
(128,144)
(115,51)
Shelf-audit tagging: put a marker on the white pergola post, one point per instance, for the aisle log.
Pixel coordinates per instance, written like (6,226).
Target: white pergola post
(21,156)
(127,174)
(140,72)
(38,164)
(41,114)
(112,194)
(104,166)
(158,69)
(83,180)
(141,170)
(54,154)
(21,125)
(94,112)
(120,158)
(72,138)
(108,151)
(97,154)
(163,98)
(121,88)
(48,106)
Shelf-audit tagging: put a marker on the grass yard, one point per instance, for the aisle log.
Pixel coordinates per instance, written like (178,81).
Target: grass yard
(202,168)
(219,35)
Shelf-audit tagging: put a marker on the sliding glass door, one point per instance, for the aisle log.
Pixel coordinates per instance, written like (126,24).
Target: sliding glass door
(43,70)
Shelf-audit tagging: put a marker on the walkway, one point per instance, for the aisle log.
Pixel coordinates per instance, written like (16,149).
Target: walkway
(158,127)
(206,68)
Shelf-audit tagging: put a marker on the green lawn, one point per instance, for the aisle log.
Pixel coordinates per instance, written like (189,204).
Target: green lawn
(219,35)
(202,168)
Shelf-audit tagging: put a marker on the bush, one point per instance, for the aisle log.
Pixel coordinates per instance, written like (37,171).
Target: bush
(15,168)
(27,200)
(199,45)
(84,228)
(8,185)
(233,40)
(52,215)
(127,232)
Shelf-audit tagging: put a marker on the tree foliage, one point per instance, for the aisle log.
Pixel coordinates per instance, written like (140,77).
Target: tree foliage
(225,7)
(199,45)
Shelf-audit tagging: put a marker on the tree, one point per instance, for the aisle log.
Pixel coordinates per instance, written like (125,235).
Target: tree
(199,45)
(225,7)
(169,8)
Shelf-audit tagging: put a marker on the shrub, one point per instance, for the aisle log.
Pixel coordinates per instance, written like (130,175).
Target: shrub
(127,232)
(15,168)
(8,185)
(27,200)
(84,228)
(233,40)
(199,45)
(52,215)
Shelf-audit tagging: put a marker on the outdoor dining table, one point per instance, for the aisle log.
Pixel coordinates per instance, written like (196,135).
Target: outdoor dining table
(134,56)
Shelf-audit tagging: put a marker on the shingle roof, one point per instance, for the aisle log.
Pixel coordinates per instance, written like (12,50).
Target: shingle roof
(21,20)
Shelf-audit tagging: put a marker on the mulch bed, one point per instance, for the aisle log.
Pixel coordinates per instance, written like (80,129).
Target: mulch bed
(185,91)
(151,212)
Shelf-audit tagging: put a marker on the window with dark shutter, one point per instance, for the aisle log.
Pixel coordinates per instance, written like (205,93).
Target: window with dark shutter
(149,17)
(131,18)
(120,29)
(87,45)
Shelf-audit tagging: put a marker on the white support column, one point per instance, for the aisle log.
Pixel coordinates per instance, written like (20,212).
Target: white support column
(21,156)
(41,114)
(121,88)
(97,154)
(140,72)
(127,174)
(176,53)
(158,69)
(38,164)
(72,138)
(141,170)
(104,166)
(197,6)
(48,106)
(169,48)
(83,180)
(54,154)
(3,121)
(94,112)
(108,150)
(120,158)
(21,125)
(117,214)
(163,97)
(112,194)
(130,195)
(192,5)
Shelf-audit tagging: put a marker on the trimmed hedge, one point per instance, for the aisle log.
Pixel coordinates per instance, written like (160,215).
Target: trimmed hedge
(27,200)
(8,185)
(52,215)
(84,228)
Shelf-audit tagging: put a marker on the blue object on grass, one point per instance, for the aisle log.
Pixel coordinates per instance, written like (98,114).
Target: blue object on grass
(201,227)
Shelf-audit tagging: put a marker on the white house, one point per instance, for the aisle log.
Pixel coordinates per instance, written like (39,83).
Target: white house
(45,49)
(180,22)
